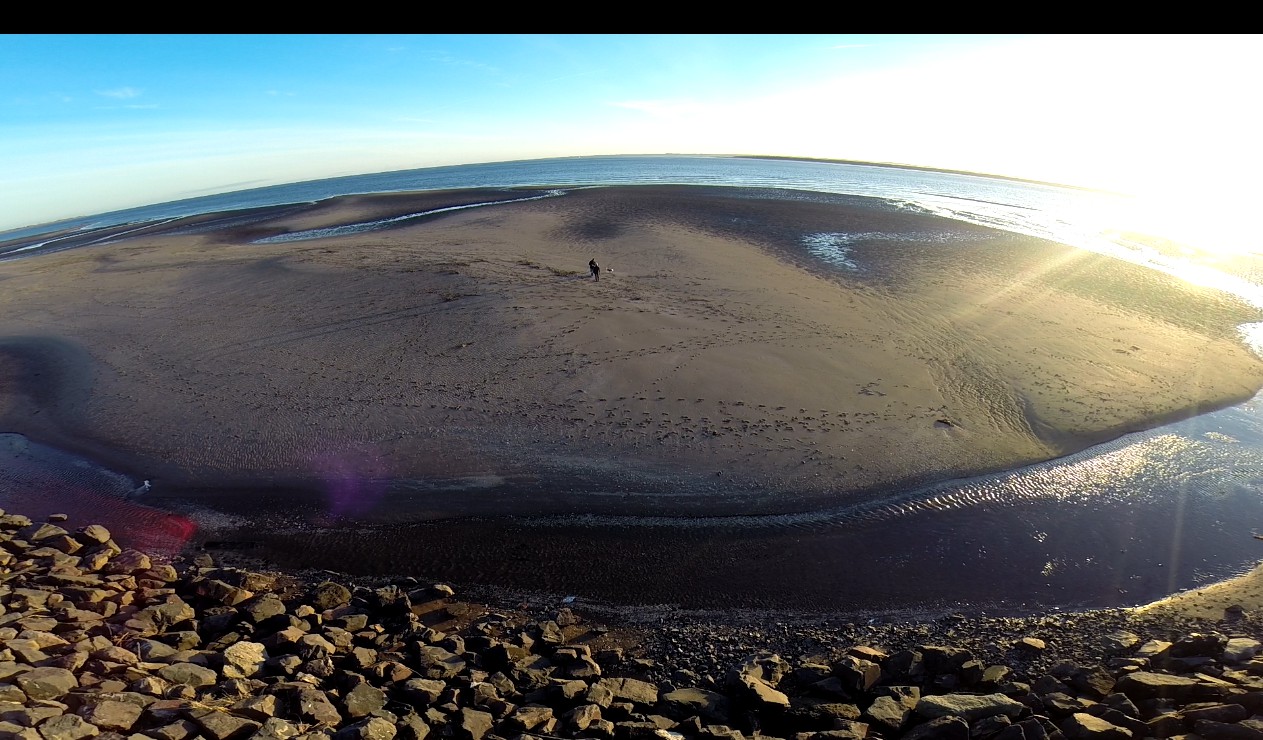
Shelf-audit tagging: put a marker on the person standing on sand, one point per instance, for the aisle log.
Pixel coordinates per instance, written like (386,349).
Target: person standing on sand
(596,270)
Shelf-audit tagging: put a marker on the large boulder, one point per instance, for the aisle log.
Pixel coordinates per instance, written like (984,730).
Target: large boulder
(244,659)
(970,706)
(631,689)
(46,683)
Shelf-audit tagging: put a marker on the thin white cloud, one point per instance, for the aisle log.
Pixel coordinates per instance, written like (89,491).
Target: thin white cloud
(134,106)
(222,188)
(443,57)
(121,93)
(661,108)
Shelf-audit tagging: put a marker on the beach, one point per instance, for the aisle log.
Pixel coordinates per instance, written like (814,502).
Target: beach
(466,364)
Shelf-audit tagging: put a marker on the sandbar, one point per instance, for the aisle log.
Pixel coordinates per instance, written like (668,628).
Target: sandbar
(717,355)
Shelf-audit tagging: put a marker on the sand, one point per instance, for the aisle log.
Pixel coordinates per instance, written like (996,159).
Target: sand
(467,364)
(475,344)
(1243,593)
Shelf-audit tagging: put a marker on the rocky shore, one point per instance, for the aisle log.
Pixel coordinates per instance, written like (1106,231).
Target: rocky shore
(101,641)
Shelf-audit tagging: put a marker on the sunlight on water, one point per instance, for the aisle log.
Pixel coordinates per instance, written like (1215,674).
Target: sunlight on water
(1186,268)
(1115,474)
(1252,335)
(1142,468)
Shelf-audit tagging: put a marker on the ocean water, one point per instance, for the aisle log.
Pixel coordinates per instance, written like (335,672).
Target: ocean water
(1063,214)
(1093,220)
(1121,523)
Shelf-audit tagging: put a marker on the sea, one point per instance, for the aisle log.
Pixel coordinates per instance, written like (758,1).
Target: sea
(1148,514)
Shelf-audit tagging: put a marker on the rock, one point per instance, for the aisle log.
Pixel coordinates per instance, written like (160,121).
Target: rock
(1215,712)
(759,692)
(437,663)
(315,707)
(244,659)
(754,680)
(261,607)
(93,534)
(1153,650)
(1143,685)
(219,725)
(1115,717)
(940,659)
(128,561)
(39,532)
(970,706)
(329,595)
(275,728)
(471,724)
(1119,641)
(995,675)
(856,674)
(222,593)
(844,731)
(120,651)
(112,715)
(530,717)
(167,614)
(1240,650)
(1224,731)
(261,708)
(363,700)
(581,717)
(630,689)
(888,714)
(1081,726)
(1095,682)
(687,702)
(1198,645)
(939,728)
(371,728)
(314,647)
(768,667)
(67,727)
(412,727)
(1031,645)
(46,683)
(423,690)
(362,658)
(188,674)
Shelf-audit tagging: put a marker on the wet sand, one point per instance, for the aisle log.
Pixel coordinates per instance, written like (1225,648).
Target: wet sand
(465,364)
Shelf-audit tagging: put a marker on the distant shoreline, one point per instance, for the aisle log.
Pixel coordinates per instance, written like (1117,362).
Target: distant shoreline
(896,165)
(51,227)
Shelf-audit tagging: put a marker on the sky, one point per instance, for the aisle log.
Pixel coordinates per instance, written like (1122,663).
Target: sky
(95,123)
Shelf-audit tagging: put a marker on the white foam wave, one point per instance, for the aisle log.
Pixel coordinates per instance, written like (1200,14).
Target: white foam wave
(1252,336)
(832,247)
(359,228)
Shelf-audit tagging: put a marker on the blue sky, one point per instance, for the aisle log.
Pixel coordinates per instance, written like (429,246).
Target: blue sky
(96,123)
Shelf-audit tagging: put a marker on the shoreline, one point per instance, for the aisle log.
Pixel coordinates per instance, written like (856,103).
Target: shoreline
(1047,430)
(256,533)
(714,358)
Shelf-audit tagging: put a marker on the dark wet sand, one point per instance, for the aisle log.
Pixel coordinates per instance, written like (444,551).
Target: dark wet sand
(464,365)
